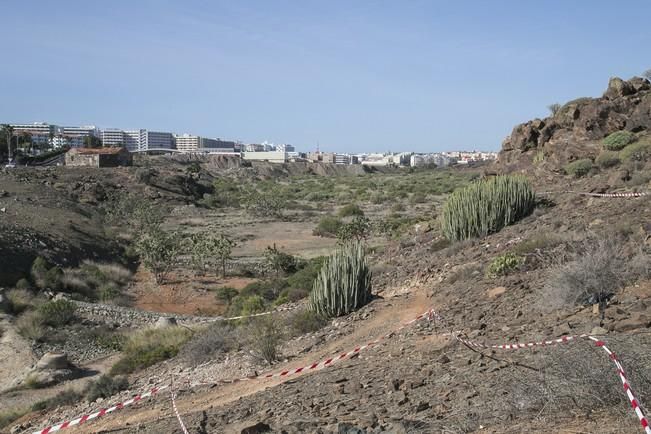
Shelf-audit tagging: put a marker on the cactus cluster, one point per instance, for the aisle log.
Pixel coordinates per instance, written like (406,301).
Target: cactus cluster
(343,284)
(486,206)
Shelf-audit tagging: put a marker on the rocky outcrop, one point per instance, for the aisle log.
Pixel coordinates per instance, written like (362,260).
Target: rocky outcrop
(576,129)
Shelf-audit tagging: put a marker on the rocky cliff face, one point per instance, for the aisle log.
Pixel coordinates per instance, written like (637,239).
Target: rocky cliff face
(575,130)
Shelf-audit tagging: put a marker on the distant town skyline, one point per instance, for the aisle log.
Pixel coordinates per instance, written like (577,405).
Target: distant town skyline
(424,76)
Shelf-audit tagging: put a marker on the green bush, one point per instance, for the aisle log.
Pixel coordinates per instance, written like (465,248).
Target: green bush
(328,227)
(607,159)
(618,140)
(105,387)
(148,347)
(264,337)
(57,313)
(504,264)
(350,210)
(226,294)
(343,284)
(579,168)
(640,151)
(53,278)
(486,206)
(252,304)
(304,278)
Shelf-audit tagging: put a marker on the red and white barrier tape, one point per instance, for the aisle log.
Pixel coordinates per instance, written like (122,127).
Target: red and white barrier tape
(562,340)
(582,193)
(313,367)
(232,318)
(176,410)
(101,412)
(323,363)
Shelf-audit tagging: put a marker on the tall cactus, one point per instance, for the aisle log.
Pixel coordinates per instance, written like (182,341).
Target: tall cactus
(343,284)
(486,206)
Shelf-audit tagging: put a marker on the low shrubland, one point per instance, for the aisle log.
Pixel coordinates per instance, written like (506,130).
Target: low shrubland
(216,339)
(618,140)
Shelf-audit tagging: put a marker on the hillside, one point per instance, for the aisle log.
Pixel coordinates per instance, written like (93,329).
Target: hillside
(578,263)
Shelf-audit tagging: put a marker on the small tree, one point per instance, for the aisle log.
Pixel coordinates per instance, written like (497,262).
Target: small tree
(279,261)
(359,229)
(222,248)
(554,108)
(158,251)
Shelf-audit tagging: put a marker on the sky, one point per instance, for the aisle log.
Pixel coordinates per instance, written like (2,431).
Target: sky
(350,76)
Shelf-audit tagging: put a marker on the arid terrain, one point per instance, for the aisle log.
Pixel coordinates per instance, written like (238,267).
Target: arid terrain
(533,280)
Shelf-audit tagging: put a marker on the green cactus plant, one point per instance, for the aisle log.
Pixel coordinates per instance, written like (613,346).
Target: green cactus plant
(486,206)
(343,284)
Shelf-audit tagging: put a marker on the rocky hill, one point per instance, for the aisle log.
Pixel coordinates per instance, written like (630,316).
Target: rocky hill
(576,129)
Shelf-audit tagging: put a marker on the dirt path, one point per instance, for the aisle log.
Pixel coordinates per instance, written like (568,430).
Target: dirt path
(389,315)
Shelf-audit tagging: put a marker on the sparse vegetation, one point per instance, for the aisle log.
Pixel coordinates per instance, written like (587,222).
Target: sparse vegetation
(486,207)
(216,339)
(265,336)
(579,168)
(148,347)
(350,210)
(57,313)
(9,416)
(618,140)
(19,300)
(306,321)
(343,284)
(30,325)
(639,151)
(328,227)
(607,159)
(554,108)
(504,264)
(105,387)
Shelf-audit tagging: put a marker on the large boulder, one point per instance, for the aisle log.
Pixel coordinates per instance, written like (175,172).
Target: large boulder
(618,88)
(165,322)
(51,361)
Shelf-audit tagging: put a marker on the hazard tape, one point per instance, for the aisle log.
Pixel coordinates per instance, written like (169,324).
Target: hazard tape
(101,412)
(313,367)
(176,410)
(582,193)
(233,318)
(563,340)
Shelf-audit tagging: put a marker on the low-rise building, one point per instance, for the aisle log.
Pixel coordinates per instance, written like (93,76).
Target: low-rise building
(98,157)
(272,157)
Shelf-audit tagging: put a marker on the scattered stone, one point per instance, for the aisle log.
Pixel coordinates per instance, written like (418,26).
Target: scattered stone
(165,322)
(598,331)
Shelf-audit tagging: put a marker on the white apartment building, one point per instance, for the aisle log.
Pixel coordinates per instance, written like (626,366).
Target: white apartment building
(137,140)
(187,142)
(285,148)
(113,137)
(40,132)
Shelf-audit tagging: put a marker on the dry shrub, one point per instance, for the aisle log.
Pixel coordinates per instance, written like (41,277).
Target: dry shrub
(115,272)
(217,339)
(30,326)
(19,300)
(577,379)
(264,335)
(594,274)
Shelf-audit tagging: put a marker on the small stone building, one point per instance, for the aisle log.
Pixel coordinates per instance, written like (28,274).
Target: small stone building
(98,157)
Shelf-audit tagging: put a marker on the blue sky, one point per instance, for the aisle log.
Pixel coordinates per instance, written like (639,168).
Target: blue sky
(349,75)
